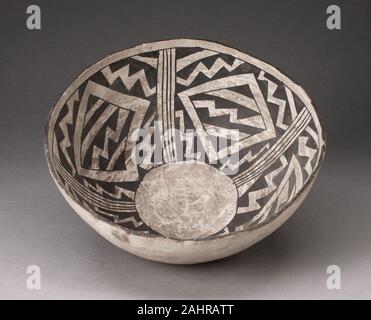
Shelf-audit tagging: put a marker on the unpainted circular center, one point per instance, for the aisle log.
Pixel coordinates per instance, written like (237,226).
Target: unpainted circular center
(186,200)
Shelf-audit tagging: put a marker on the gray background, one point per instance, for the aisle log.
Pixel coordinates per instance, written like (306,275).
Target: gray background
(331,227)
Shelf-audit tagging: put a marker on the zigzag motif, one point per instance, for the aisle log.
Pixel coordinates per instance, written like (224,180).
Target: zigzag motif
(118,191)
(281,193)
(214,69)
(249,157)
(254,121)
(231,134)
(305,151)
(279,147)
(112,135)
(272,87)
(96,199)
(258,194)
(117,220)
(130,219)
(129,81)
(68,119)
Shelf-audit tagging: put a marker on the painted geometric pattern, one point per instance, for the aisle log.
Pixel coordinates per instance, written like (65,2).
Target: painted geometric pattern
(183,88)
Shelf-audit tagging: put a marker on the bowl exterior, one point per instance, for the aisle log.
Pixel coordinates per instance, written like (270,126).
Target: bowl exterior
(183,252)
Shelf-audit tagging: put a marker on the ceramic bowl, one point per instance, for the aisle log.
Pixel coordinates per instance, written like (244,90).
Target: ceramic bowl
(184,151)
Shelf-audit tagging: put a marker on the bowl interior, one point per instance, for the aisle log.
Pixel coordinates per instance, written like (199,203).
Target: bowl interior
(184,139)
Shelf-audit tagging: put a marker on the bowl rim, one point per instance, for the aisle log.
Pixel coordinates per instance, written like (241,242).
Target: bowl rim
(188,42)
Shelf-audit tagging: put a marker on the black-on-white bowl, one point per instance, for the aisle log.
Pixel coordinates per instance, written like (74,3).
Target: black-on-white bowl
(184,151)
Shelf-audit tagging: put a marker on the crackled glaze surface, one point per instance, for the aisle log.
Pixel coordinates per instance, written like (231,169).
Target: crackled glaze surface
(168,88)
